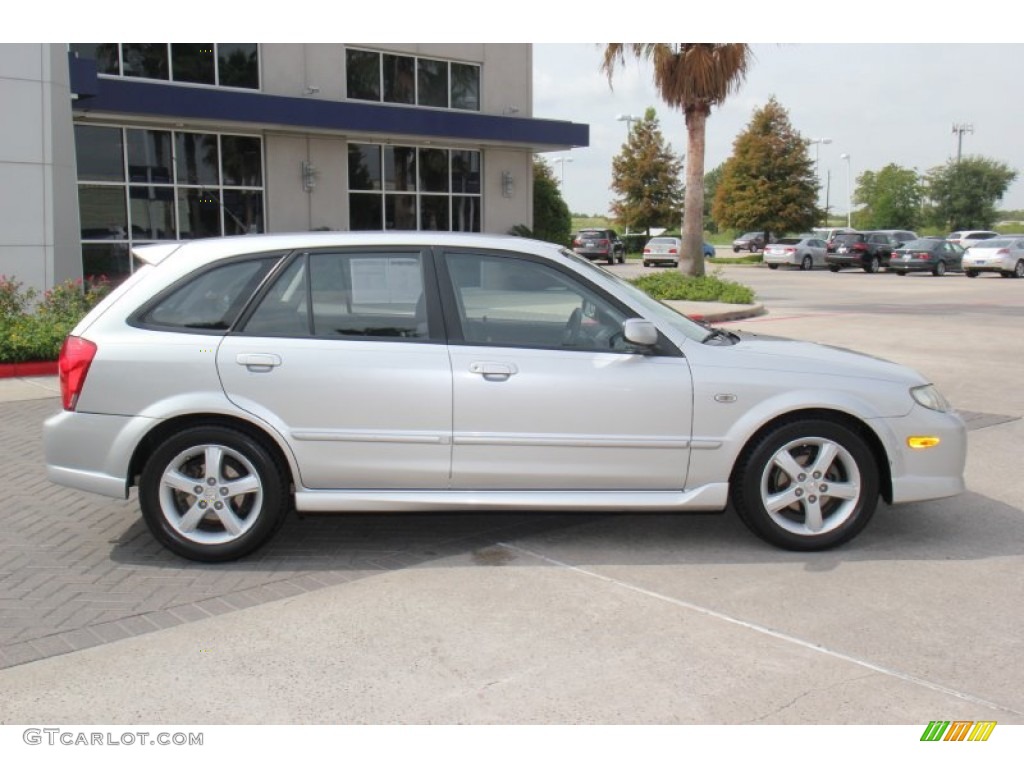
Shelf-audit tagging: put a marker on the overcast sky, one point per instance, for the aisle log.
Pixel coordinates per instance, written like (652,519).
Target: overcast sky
(880,104)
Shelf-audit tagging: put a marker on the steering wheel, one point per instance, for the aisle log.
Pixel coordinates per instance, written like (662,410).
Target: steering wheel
(571,332)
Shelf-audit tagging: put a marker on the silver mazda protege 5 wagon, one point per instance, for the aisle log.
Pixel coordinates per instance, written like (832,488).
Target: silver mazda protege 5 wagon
(234,379)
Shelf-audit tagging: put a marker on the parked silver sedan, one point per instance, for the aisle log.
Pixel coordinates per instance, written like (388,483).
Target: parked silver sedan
(1002,255)
(662,251)
(805,252)
(233,380)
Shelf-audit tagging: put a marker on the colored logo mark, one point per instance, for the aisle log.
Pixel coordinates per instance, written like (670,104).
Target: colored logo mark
(958,730)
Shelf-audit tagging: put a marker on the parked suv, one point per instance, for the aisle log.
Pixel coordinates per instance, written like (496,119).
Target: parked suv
(870,251)
(596,244)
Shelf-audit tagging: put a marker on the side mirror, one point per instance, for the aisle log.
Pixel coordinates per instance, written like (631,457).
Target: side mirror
(642,333)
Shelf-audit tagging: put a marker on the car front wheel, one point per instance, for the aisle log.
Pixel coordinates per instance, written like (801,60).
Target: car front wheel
(940,269)
(212,494)
(807,485)
(874,266)
(807,264)
(1018,269)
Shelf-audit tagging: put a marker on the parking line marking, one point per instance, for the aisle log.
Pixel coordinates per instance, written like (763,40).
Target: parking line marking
(769,632)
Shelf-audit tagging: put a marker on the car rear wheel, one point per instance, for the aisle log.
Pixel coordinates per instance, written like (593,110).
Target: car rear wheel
(806,485)
(971,273)
(807,264)
(874,266)
(940,269)
(773,266)
(833,269)
(212,494)
(1018,269)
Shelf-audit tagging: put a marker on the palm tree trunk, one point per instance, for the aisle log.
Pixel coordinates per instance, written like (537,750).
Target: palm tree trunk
(692,262)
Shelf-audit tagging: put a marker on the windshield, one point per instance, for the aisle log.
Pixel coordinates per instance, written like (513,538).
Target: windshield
(996,242)
(788,241)
(849,239)
(924,244)
(652,308)
(592,233)
(662,241)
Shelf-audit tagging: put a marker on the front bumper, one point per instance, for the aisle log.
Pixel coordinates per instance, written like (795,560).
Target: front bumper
(928,473)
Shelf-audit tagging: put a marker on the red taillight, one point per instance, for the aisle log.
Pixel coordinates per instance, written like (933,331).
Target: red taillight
(923,255)
(604,242)
(791,250)
(858,247)
(672,250)
(647,250)
(76,356)
(1003,252)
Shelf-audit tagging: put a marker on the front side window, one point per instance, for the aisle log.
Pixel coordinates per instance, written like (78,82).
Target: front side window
(510,301)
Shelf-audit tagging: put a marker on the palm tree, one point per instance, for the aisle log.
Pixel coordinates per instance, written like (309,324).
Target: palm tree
(695,77)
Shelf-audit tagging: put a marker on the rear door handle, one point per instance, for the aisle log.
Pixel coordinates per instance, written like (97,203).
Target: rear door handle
(493,371)
(258,362)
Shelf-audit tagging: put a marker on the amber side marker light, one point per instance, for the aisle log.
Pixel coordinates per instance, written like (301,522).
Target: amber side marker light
(923,442)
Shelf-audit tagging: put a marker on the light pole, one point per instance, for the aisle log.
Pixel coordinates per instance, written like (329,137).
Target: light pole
(849,209)
(628,120)
(563,161)
(817,173)
(960,129)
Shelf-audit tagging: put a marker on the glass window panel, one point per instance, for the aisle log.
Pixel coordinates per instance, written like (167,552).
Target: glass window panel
(365,211)
(364,170)
(466,171)
(400,212)
(99,152)
(197,158)
(400,169)
(149,156)
(243,161)
(145,60)
(243,212)
(465,86)
(432,78)
(193,62)
(465,213)
(211,300)
(106,56)
(434,213)
(198,214)
(433,170)
(106,260)
(103,212)
(238,65)
(367,295)
(283,311)
(362,75)
(399,79)
(152,213)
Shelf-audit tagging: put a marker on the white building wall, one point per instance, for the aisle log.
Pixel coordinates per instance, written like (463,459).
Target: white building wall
(39,231)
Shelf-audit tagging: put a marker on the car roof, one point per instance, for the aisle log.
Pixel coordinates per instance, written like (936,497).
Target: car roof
(216,248)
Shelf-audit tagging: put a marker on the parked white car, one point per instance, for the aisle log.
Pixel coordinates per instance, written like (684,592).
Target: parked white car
(1003,255)
(968,237)
(662,251)
(803,251)
(233,380)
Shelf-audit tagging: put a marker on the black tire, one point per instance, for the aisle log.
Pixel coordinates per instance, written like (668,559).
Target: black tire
(735,249)
(611,258)
(647,263)
(753,247)
(257,512)
(971,273)
(1018,269)
(1006,274)
(939,269)
(807,264)
(773,266)
(759,476)
(900,272)
(833,268)
(874,266)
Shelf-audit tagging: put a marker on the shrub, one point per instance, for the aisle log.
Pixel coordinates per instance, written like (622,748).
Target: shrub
(35,331)
(672,285)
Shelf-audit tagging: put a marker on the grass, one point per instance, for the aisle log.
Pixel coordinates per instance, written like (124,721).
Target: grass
(672,285)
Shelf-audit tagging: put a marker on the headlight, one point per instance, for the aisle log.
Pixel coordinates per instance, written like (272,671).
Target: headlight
(930,397)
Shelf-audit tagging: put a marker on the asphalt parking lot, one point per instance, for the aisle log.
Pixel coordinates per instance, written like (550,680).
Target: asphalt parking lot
(556,618)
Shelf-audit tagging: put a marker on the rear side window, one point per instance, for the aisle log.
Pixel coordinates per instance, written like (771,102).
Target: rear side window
(209,301)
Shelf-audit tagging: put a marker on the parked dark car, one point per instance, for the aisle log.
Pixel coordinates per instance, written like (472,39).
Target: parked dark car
(869,251)
(597,244)
(750,241)
(928,254)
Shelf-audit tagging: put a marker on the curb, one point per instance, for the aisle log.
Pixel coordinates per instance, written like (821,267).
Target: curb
(25,370)
(741,312)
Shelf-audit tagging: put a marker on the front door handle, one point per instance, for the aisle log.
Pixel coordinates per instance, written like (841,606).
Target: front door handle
(493,371)
(258,362)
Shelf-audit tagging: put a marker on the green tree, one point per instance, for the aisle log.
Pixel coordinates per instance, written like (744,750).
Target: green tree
(892,199)
(711,181)
(551,218)
(964,194)
(645,176)
(693,77)
(769,183)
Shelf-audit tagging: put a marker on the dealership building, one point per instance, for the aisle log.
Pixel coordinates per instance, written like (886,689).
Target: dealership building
(106,145)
